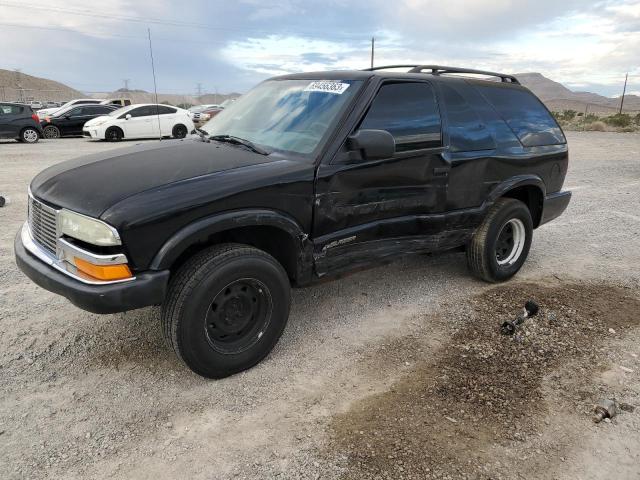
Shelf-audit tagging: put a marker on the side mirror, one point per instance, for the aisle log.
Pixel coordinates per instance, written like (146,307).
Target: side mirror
(374,144)
(127,116)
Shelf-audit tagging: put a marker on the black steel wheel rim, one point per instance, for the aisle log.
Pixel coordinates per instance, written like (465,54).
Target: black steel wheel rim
(238,316)
(505,242)
(181,132)
(113,135)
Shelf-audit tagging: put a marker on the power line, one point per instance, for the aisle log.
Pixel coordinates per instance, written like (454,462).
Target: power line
(158,21)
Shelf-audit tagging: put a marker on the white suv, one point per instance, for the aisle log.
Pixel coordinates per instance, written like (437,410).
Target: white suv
(140,121)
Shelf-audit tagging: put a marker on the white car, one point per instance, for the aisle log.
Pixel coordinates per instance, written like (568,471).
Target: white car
(140,121)
(77,101)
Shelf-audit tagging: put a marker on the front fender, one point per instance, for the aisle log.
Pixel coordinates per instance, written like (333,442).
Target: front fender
(200,230)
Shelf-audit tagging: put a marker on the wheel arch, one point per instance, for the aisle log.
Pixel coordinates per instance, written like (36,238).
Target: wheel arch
(529,189)
(273,232)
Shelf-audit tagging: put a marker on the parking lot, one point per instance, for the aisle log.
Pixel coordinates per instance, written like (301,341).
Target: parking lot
(372,377)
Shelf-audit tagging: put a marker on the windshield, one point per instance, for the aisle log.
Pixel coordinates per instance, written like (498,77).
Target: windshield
(289,115)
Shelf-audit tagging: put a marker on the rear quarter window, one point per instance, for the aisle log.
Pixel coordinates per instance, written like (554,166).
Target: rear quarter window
(525,114)
(467,132)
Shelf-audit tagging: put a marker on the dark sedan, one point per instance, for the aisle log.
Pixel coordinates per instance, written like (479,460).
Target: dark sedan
(69,122)
(20,122)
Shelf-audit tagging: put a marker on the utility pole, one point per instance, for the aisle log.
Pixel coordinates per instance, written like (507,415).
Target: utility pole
(373,43)
(199,89)
(624,90)
(126,83)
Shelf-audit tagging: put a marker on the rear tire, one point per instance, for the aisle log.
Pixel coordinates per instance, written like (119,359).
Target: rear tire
(51,132)
(113,134)
(179,131)
(226,308)
(500,246)
(29,135)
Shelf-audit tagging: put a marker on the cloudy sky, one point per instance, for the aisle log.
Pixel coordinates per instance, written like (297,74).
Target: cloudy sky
(231,45)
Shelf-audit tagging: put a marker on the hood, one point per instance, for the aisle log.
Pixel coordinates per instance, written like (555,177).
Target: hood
(91,184)
(93,121)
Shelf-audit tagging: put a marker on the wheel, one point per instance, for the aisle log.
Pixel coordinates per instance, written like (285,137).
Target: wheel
(225,309)
(113,134)
(501,244)
(179,131)
(51,132)
(29,135)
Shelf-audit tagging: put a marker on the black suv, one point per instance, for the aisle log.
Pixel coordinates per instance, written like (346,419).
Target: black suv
(69,121)
(19,121)
(305,177)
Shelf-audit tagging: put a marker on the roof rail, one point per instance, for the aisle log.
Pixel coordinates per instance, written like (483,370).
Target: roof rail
(440,69)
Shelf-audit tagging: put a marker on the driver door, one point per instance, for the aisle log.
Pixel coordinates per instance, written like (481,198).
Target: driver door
(370,210)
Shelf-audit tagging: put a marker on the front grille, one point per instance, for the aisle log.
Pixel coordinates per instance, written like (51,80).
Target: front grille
(42,222)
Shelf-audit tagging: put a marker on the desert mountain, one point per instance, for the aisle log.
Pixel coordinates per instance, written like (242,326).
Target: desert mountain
(17,86)
(22,87)
(558,97)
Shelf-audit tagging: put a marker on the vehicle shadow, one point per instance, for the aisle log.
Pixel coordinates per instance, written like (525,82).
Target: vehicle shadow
(318,313)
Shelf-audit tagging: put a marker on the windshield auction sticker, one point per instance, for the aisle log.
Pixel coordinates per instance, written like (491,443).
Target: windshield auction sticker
(327,86)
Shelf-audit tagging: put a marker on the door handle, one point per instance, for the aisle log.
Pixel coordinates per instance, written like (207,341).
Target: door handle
(441,171)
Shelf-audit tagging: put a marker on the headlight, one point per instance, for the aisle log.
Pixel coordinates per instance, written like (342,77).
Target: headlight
(97,123)
(87,229)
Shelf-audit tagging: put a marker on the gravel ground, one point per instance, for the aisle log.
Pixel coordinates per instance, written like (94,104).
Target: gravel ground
(89,396)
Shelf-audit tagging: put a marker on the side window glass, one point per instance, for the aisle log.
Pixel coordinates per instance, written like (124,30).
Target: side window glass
(409,112)
(466,131)
(525,114)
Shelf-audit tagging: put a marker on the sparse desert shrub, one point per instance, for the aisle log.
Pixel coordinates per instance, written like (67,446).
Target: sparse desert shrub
(591,117)
(569,114)
(619,120)
(596,127)
(637,119)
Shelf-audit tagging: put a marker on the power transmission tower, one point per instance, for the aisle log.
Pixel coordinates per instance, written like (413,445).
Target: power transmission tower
(126,83)
(624,90)
(199,89)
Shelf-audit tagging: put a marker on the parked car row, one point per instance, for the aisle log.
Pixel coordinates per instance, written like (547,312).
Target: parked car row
(100,120)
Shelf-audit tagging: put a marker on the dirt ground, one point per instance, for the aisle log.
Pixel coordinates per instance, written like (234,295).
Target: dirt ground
(396,372)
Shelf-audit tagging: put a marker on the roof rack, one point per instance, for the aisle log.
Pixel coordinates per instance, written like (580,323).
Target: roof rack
(439,69)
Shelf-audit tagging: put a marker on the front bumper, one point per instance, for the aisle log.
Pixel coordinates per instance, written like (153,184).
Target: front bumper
(148,288)
(554,205)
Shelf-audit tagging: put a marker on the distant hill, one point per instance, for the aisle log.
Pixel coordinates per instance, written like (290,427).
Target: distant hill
(142,96)
(22,87)
(557,97)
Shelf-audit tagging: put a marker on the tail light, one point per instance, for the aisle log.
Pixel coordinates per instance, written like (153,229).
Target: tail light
(35,117)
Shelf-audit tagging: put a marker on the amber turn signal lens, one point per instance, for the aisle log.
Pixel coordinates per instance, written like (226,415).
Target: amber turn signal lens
(103,272)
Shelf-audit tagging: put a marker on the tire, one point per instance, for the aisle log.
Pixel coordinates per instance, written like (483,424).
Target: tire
(225,309)
(179,131)
(500,246)
(29,135)
(113,134)
(51,132)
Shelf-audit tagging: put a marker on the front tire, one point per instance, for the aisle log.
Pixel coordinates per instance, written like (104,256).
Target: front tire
(501,244)
(51,132)
(225,309)
(29,135)
(113,134)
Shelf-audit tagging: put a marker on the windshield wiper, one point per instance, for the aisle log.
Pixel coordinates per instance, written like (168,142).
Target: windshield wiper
(240,141)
